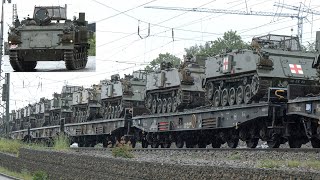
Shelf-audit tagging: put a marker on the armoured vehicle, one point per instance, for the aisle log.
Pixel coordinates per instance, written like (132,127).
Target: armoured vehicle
(60,105)
(316,63)
(118,94)
(42,112)
(171,89)
(19,118)
(244,76)
(29,119)
(86,104)
(49,36)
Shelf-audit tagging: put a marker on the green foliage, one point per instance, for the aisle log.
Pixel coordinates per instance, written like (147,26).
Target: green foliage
(315,164)
(122,151)
(269,164)
(61,142)
(92,42)
(293,164)
(40,175)
(10,146)
(234,156)
(154,64)
(230,40)
(22,175)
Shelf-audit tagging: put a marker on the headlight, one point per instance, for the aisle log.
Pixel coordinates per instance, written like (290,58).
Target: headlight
(9,42)
(71,41)
(309,108)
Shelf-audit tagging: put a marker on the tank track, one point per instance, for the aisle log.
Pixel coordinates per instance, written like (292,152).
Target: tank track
(21,66)
(173,100)
(76,59)
(252,89)
(113,108)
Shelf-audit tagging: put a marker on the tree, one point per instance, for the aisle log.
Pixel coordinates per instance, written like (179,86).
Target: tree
(92,42)
(154,64)
(230,40)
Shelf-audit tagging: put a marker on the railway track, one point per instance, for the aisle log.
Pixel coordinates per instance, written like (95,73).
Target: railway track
(315,150)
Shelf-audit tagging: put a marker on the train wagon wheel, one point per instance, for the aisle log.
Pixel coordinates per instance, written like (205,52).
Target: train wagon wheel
(215,143)
(154,106)
(224,97)
(315,142)
(252,143)
(233,142)
(239,95)
(273,143)
(144,143)
(164,105)
(155,144)
(169,105)
(232,96)
(294,142)
(179,142)
(247,94)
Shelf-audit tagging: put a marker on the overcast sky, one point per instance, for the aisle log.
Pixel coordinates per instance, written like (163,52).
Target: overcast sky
(121,50)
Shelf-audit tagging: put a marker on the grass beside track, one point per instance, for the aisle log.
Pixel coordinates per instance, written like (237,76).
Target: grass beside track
(271,164)
(13,146)
(21,175)
(10,146)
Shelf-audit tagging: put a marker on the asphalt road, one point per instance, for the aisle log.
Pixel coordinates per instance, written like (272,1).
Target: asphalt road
(5,177)
(52,66)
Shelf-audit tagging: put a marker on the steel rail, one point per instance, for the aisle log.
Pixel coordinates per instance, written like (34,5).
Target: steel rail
(316,150)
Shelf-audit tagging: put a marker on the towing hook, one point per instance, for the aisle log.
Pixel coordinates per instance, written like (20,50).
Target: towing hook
(278,95)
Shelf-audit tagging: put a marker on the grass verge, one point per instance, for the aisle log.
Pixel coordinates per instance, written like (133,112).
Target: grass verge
(61,142)
(122,151)
(22,175)
(10,146)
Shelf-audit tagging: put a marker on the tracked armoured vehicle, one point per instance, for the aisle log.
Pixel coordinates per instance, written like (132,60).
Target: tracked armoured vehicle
(244,76)
(86,104)
(171,89)
(42,114)
(118,94)
(49,36)
(60,105)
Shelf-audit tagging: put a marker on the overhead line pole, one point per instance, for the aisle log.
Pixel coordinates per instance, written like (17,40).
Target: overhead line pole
(3,111)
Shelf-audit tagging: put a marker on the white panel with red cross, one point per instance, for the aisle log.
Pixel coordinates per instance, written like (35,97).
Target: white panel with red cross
(226,64)
(296,69)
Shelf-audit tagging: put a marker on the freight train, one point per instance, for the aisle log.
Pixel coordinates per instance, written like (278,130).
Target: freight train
(269,92)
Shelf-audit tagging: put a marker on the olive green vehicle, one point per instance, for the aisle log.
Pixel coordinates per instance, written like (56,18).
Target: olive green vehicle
(49,36)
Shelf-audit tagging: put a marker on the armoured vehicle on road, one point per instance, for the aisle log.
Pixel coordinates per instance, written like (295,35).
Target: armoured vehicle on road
(244,76)
(118,94)
(172,89)
(49,36)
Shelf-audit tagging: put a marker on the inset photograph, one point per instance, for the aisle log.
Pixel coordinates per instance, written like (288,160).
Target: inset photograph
(49,36)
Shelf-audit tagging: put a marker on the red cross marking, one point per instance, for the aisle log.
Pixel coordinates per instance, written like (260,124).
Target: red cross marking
(225,64)
(296,68)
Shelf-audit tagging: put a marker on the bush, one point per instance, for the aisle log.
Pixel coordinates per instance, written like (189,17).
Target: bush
(61,142)
(10,146)
(122,151)
(40,175)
